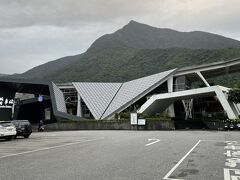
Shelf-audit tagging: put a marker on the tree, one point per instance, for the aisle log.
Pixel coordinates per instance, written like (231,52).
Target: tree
(234,94)
(237,85)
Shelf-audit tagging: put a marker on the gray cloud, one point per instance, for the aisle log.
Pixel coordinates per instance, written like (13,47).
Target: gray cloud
(33,32)
(67,12)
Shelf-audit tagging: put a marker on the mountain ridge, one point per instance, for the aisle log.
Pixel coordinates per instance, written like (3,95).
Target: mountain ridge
(150,37)
(136,50)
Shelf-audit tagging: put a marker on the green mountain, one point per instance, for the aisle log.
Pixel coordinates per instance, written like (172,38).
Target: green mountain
(138,50)
(39,72)
(141,36)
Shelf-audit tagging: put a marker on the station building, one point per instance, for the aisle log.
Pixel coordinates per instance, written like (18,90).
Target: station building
(183,93)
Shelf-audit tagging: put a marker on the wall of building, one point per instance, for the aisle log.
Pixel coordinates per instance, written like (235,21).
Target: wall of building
(112,125)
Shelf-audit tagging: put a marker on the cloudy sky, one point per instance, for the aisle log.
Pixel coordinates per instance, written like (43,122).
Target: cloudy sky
(33,32)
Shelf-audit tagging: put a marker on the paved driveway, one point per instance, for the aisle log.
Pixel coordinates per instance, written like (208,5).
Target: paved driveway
(115,155)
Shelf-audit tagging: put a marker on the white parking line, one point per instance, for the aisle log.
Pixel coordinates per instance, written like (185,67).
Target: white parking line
(212,140)
(166,177)
(53,147)
(4,153)
(154,141)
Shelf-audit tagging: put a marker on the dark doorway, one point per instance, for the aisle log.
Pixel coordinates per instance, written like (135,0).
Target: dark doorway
(33,110)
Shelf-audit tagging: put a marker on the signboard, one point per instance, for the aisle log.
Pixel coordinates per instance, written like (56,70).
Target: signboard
(40,98)
(134,120)
(6,103)
(142,122)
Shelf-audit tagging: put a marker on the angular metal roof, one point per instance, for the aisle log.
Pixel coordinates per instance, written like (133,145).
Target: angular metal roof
(39,87)
(97,96)
(133,90)
(59,99)
(25,86)
(106,99)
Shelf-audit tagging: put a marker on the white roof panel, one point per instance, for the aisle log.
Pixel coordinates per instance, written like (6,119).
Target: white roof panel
(59,97)
(132,91)
(97,96)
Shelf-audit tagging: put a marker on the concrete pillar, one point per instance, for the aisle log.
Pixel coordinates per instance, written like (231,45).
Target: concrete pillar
(188,107)
(13,108)
(170,84)
(225,104)
(234,108)
(79,106)
(202,78)
(238,108)
(170,110)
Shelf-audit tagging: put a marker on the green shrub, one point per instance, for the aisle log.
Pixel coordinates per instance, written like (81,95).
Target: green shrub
(154,116)
(158,119)
(234,95)
(123,115)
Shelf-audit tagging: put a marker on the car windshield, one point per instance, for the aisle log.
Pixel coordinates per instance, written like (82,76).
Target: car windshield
(24,123)
(6,124)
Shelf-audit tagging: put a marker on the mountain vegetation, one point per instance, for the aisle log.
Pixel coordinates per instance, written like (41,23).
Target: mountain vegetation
(138,50)
(234,94)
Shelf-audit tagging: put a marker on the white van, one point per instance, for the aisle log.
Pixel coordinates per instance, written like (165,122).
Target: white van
(7,130)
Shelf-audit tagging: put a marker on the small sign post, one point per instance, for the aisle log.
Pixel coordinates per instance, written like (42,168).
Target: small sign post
(134,119)
(141,122)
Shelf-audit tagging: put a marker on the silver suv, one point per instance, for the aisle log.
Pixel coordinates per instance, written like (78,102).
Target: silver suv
(7,130)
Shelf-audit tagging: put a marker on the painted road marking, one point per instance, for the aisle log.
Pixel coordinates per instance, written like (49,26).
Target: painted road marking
(154,141)
(5,153)
(53,147)
(229,176)
(211,140)
(50,135)
(166,177)
(232,160)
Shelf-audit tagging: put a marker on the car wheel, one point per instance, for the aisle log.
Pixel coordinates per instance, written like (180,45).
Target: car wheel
(26,136)
(15,137)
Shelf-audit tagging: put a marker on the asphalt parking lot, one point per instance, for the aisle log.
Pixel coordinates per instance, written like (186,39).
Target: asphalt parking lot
(117,155)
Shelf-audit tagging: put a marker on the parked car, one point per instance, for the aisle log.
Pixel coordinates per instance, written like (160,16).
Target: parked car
(7,130)
(238,126)
(226,126)
(231,126)
(24,128)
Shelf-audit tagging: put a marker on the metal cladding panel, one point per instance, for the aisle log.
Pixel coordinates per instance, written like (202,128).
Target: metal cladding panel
(97,96)
(59,98)
(131,91)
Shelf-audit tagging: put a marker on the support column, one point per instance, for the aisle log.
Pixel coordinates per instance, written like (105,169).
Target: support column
(13,108)
(170,110)
(202,78)
(170,84)
(79,106)
(238,108)
(188,106)
(234,108)
(225,104)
